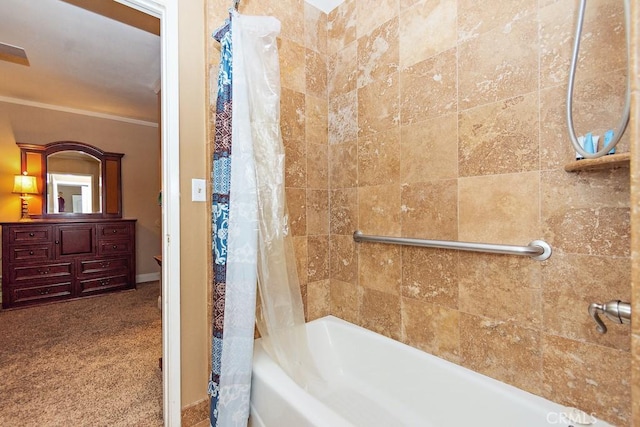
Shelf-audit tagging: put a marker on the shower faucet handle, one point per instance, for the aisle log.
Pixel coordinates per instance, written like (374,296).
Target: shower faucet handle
(616,311)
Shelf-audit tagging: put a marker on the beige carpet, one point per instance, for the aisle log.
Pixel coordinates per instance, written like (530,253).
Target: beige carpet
(91,362)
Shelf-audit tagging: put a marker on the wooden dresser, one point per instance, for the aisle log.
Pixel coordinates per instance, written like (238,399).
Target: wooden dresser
(51,260)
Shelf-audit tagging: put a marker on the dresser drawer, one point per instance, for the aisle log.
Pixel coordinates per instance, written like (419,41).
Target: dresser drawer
(39,272)
(29,234)
(114,230)
(104,284)
(37,253)
(39,293)
(114,247)
(103,266)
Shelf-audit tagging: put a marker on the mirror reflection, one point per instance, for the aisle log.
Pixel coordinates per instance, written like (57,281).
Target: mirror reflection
(73,183)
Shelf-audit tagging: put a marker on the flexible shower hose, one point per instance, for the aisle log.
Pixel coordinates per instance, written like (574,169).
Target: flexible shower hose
(572,74)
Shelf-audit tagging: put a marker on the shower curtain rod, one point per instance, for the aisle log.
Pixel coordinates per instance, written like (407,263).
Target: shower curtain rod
(538,249)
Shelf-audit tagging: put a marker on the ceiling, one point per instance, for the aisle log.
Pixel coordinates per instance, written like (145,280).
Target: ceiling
(83,60)
(79,59)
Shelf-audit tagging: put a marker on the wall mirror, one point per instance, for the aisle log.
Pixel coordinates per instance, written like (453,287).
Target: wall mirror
(75,179)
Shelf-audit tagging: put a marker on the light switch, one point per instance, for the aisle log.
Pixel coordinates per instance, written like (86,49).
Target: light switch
(198,190)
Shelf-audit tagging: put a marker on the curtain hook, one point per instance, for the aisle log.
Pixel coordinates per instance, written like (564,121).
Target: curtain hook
(235,4)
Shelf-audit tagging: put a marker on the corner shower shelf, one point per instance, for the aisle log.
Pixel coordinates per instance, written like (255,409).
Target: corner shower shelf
(607,162)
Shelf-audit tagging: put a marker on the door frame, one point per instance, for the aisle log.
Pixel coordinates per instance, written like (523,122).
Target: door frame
(167,12)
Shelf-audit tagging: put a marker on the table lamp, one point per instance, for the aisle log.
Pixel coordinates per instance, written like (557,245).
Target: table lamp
(25,185)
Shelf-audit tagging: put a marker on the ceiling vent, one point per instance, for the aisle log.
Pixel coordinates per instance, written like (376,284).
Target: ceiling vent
(13,54)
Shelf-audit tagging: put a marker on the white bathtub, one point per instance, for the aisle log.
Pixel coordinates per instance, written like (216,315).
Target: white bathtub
(375,381)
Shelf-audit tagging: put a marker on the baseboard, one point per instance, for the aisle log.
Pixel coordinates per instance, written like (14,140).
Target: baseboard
(148,277)
(195,413)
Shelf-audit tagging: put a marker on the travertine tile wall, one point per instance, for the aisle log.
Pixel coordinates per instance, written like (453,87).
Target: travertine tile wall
(303,65)
(446,121)
(635,212)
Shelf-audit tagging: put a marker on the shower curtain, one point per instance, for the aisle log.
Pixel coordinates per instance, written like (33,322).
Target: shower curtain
(250,242)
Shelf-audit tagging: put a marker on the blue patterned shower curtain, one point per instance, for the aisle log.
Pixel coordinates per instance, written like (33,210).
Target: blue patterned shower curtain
(221,180)
(235,235)
(251,243)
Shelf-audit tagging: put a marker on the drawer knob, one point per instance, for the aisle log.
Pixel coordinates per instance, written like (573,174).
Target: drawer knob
(115,231)
(115,246)
(31,234)
(45,291)
(57,242)
(30,252)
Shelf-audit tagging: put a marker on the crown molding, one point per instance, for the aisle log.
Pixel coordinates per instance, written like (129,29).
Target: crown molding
(77,111)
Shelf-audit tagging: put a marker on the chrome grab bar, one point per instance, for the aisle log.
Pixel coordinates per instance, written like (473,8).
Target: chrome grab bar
(538,249)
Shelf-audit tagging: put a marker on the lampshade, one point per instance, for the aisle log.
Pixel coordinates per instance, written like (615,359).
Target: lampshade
(25,184)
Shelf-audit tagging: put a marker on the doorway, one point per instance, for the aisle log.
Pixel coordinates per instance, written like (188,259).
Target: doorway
(167,12)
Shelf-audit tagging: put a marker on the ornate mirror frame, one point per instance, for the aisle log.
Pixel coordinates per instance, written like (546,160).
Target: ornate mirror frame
(33,160)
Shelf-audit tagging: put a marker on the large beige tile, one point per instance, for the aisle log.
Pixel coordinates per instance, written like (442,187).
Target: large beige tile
(602,44)
(555,148)
(292,115)
(587,213)
(300,250)
(487,72)
(475,18)
(426,29)
(499,208)
(501,137)
(634,66)
(318,258)
(295,172)
(316,120)
(431,328)
(297,209)
(318,299)
(342,71)
(429,210)
(345,300)
(292,68)
(343,165)
(597,189)
(589,377)
(635,379)
(341,26)
(603,231)
(343,211)
(430,275)
(373,13)
(557,30)
(428,88)
(501,287)
(317,166)
(343,118)
(380,312)
(344,258)
(317,211)
(378,53)
(315,73)
(379,210)
(379,158)
(291,15)
(429,150)
(315,28)
(380,267)
(373,115)
(571,283)
(597,107)
(501,350)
